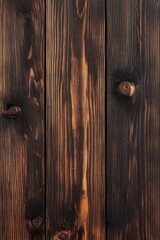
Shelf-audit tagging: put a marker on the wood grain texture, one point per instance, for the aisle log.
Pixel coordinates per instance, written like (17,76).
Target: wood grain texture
(133,124)
(75,84)
(21,119)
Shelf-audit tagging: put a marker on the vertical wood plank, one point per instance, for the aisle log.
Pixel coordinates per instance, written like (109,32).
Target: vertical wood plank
(22,119)
(133,126)
(75,111)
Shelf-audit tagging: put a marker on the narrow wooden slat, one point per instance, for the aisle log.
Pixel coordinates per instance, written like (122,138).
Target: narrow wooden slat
(133,124)
(21,119)
(75,84)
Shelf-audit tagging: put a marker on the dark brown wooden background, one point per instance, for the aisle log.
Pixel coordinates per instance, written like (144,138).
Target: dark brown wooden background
(133,125)
(52,116)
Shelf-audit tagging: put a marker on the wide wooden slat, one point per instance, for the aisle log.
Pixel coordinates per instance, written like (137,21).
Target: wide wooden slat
(21,119)
(75,84)
(133,125)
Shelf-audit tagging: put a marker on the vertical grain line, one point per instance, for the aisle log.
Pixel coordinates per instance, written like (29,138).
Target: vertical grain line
(45,120)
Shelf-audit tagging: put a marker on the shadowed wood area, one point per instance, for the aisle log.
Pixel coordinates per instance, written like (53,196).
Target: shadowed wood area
(21,119)
(133,123)
(75,85)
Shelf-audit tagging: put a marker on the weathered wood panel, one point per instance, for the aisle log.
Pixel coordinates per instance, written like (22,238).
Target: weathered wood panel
(75,84)
(133,124)
(21,119)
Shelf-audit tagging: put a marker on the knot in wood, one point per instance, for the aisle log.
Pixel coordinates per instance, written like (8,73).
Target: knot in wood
(28,17)
(37,222)
(126,88)
(13,112)
(62,235)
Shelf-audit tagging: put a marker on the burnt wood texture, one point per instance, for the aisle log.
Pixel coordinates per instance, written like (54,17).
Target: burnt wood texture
(75,89)
(22,192)
(52,120)
(133,122)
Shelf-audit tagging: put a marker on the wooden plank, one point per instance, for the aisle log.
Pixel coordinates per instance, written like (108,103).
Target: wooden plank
(75,79)
(133,124)
(22,119)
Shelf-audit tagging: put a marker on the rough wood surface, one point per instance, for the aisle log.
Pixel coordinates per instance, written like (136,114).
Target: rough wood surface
(133,124)
(75,75)
(62,196)
(21,119)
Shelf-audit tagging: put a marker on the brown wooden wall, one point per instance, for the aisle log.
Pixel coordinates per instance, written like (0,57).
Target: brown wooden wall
(52,120)
(133,119)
